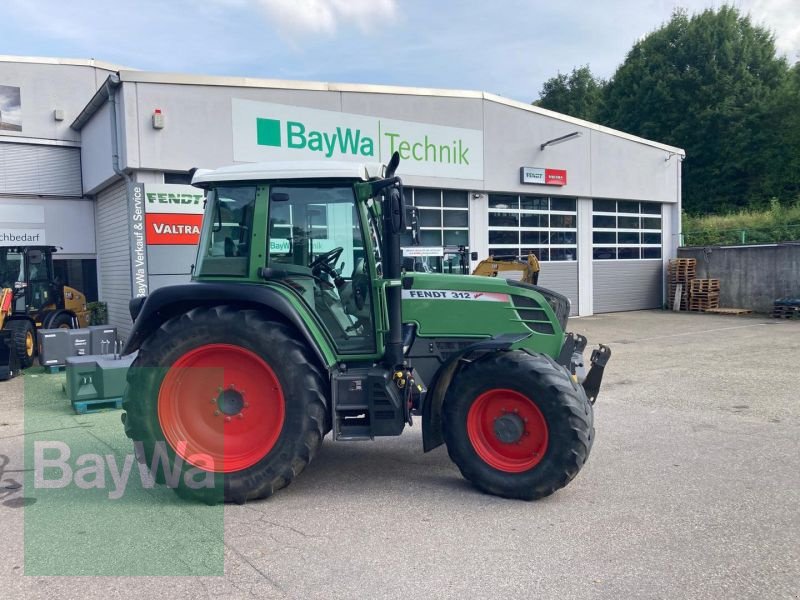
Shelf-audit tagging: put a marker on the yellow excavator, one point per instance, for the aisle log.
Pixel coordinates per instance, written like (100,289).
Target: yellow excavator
(510,267)
(31,297)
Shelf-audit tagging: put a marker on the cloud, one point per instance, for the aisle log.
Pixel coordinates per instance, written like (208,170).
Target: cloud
(325,16)
(783,18)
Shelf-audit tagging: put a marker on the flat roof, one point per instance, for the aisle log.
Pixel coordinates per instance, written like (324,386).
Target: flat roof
(75,62)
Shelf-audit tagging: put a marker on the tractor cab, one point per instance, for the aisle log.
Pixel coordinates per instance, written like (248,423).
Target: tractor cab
(29,272)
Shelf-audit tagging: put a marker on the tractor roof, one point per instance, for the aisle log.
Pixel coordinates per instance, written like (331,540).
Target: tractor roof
(289,170)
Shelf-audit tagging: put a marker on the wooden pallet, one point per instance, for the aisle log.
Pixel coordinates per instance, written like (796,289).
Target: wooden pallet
(785,311)
(699,286)
(85,407)
(684,296)
(682,278)
(702,304)
(729,311)
(674,262)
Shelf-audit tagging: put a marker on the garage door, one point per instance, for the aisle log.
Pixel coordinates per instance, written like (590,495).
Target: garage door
(546,226)
(626,251)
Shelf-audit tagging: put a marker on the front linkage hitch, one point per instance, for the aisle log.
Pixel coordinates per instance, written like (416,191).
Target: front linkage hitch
(571,357)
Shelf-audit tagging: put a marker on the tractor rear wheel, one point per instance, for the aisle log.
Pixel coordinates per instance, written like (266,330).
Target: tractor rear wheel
(24,334)
(232,397)
(517,425)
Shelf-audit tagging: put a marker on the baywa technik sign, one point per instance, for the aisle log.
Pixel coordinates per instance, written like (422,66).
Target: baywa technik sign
(264,131)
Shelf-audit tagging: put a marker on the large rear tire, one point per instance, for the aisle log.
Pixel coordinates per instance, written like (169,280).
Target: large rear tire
(24,334)
(233,396)
(517,425)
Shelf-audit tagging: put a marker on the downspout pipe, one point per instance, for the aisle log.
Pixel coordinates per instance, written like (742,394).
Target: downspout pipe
(111,85)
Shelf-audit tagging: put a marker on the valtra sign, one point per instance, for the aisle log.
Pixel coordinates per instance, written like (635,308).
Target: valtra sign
(174,215)
(540,176)
(263,131)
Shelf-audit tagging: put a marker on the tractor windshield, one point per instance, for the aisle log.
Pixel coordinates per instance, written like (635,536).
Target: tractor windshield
(227,227)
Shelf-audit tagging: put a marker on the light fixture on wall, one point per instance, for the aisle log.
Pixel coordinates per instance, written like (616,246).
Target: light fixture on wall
(560,140)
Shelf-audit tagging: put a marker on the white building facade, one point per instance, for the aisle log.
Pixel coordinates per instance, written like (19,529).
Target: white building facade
(95,159)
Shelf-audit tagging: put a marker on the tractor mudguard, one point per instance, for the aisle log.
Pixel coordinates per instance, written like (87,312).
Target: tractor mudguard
(432,408)
(150,312)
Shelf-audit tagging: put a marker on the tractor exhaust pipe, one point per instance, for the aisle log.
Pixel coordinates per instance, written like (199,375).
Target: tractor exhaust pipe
(394,217)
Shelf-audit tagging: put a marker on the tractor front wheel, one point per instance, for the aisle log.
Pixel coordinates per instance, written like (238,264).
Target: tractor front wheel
(517,426)
(24,334)
(231,399)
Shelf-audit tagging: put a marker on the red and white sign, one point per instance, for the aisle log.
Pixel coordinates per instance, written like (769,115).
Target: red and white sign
(173,229)
(454,295)
(540,176)
(555,177)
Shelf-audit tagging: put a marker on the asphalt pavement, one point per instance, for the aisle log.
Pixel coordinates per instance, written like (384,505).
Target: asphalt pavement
(692,490)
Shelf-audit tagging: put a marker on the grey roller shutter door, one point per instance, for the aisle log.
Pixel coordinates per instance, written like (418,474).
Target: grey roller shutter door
(113,255)
(40,170)
(561,277)
(627,285)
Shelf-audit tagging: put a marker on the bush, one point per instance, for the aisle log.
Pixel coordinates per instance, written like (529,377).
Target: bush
(98,313)
(779,223)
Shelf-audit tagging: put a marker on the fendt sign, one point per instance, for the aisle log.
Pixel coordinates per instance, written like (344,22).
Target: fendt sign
(264,131)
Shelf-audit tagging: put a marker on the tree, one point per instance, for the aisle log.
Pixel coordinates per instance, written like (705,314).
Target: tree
(579,94)
(707,83)
(780,131)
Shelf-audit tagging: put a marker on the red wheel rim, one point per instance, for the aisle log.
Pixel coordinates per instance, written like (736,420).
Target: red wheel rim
(522,439)
(221,408)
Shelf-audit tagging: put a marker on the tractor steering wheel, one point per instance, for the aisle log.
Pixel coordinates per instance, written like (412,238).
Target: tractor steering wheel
(327,262)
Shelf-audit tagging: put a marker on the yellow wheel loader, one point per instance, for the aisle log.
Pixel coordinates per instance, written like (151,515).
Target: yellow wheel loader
(526,271)
(31,298)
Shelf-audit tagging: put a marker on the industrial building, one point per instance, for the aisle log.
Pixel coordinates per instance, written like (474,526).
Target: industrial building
(95,159)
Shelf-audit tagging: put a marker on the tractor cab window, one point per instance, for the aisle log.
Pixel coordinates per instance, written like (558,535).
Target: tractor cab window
(227,231)
(315,235)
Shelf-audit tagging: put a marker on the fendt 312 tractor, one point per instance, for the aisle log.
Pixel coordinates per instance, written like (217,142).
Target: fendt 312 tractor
(299,321)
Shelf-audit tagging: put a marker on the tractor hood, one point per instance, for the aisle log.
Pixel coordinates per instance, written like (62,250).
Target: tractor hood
(472,306)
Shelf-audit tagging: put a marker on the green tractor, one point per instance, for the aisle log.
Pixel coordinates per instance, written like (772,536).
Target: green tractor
(299,321)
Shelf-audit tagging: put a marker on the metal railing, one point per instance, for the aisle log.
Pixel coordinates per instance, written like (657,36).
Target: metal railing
(752,235)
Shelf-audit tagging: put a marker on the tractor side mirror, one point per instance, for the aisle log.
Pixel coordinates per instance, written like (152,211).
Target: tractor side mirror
(397,209)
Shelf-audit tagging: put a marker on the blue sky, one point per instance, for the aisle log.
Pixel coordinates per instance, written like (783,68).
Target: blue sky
(508,47)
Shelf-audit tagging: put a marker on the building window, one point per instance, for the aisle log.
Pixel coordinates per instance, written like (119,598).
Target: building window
(443,221)
(544,225)
(626,230)
(78,273)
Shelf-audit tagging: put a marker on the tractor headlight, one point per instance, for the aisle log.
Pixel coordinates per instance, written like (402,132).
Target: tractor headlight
(561,305)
